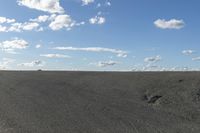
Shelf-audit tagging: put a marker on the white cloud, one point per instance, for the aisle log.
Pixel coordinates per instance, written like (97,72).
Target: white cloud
(97,20)
(108,3)
(161,68)
(41,19)
(79,24)
(153,59)
(106,63)
(53,21)
(181,69)
(19,27)
(30,26)
(152,68)
(4,64)
(36,63)
(119,53)
(38,46)
(15,27)
(55,56)
(40,29)
(2,20)
(87,2)
(3,28)
(196,59)
(61,21)
(171,24)
(11,45)
(188,52)
(6,20)
(51,6)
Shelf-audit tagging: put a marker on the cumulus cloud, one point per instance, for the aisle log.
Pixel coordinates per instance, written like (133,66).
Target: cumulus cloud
(3,28)
(87,2)
(19,27)
(97,20)
(55,56)
(106,63)
(61,21)
(36,63)
(51,6)
(188,52)
(15,27)
(41,19)
(54,22)
(6,20)
(153,59)
(11,45)
(30,26)
(119,53)
(170,24)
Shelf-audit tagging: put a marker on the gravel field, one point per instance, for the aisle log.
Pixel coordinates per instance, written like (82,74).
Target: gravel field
(99,102)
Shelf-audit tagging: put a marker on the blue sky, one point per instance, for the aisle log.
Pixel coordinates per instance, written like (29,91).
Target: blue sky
(100,35)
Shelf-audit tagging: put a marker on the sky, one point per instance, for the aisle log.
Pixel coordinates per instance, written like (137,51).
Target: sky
(100,35)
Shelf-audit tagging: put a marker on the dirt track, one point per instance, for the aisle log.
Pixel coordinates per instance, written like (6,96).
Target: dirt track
(91,102)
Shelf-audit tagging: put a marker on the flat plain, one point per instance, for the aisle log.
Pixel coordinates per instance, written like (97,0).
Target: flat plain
(99,102)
